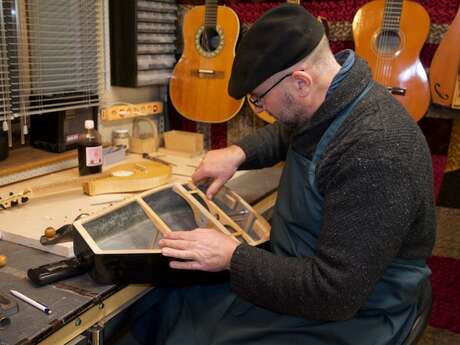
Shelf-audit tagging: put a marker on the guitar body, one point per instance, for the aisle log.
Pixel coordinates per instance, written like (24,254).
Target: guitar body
(394,56)
(198,87)
(445,66)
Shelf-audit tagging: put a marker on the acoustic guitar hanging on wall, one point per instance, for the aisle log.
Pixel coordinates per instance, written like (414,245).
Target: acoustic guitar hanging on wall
(445,67)
(198,86)
(389,35)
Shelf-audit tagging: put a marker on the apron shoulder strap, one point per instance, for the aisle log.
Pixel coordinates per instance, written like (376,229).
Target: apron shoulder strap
(335,125)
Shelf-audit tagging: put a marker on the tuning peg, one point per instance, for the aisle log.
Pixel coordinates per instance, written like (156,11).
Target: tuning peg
(14,203)
(24,199)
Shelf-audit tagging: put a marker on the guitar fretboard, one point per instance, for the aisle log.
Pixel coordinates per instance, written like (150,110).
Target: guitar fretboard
(392,15)
(210,16)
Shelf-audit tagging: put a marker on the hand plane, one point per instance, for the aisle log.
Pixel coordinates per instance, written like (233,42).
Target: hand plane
(63,234)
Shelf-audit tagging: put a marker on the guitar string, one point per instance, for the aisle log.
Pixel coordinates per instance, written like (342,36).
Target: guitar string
(380,41)
(390,21)
(381,45)
(392,28)
(386,46)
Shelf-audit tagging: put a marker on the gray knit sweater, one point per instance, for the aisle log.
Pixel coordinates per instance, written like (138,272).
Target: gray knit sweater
(376,179)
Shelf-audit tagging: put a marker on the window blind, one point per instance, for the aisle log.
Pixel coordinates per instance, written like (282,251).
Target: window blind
(5,109)
(51,57)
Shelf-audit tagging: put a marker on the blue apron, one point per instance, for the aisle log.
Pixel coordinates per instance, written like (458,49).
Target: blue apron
(215,315)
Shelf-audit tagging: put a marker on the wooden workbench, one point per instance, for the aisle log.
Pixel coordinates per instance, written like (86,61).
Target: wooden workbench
(79,303)
(26,223)
(77,299)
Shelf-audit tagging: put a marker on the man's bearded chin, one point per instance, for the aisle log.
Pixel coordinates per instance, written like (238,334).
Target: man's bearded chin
(292,122)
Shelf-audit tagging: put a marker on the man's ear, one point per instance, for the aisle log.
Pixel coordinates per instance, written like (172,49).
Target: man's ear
(302,82)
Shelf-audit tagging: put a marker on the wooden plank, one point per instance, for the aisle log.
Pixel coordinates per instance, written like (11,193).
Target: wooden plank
(183,141)
(28,158)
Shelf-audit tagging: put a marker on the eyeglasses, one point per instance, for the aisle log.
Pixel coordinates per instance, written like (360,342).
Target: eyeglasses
(257,100)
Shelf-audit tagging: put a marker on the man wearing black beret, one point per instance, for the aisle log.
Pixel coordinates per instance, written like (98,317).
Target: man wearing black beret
(354,220)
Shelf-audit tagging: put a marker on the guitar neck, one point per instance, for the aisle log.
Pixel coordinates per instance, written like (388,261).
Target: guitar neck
(210,14)
(392,15)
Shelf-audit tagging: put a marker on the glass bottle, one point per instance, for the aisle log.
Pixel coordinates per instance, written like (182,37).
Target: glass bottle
(89,150)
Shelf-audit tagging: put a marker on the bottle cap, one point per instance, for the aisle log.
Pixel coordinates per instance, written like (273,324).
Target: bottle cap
(89,124)
(121,131)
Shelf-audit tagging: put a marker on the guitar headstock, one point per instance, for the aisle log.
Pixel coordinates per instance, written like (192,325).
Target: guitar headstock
(15,199)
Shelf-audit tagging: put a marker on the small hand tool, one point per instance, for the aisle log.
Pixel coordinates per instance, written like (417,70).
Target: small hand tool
(63,234)
(157,159)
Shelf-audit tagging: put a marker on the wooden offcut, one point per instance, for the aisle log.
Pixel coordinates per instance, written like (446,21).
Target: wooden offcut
(182,141)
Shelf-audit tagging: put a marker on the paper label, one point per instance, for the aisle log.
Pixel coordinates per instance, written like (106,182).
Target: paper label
(93,156)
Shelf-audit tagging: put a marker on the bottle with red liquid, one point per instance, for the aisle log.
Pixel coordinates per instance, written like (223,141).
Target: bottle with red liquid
(89,150)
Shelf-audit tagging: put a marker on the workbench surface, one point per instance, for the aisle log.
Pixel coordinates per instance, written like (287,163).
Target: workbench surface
(71,298)
(66,299)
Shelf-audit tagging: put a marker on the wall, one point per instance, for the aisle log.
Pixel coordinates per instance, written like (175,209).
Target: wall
(113,95)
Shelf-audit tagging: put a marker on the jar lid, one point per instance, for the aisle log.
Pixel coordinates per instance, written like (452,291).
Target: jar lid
(89,124)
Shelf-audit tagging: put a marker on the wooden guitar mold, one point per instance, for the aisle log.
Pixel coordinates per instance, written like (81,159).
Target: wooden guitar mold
(121,242)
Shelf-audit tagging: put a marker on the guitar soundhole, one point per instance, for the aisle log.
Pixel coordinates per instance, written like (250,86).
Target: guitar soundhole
(388,42)
(209,40)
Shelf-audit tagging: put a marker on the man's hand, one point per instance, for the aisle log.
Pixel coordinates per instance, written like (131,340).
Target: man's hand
(202,249)
(219,166)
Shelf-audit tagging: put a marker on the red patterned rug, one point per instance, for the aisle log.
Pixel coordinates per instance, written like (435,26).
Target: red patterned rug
(446,293)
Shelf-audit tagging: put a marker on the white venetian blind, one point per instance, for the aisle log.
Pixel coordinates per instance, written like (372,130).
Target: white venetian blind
(5,108)
(51,55)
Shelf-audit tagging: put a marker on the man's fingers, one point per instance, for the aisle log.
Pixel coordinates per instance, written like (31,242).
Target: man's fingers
(214,188)
(185,265)
(177,235)
(175,244)
(177,253)
(198,175)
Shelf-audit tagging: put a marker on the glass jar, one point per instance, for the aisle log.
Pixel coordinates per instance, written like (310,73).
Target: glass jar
(120,138)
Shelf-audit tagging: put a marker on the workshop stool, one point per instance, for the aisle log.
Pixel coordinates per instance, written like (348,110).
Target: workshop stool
(423,315)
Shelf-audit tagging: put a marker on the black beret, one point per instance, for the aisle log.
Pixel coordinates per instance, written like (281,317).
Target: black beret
(279,39)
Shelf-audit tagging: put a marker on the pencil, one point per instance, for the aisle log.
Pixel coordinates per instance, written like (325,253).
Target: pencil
(30,301)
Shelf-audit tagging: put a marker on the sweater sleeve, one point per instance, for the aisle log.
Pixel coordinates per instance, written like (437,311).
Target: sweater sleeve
(368,207)
(266,147)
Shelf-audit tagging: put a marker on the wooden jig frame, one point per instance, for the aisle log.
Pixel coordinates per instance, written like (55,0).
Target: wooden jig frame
(243,222)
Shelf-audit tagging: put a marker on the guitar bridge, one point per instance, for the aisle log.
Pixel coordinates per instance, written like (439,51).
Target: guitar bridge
(205,73)
(399,91)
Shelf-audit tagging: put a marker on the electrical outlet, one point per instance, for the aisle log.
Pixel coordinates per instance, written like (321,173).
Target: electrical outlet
(126,111)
